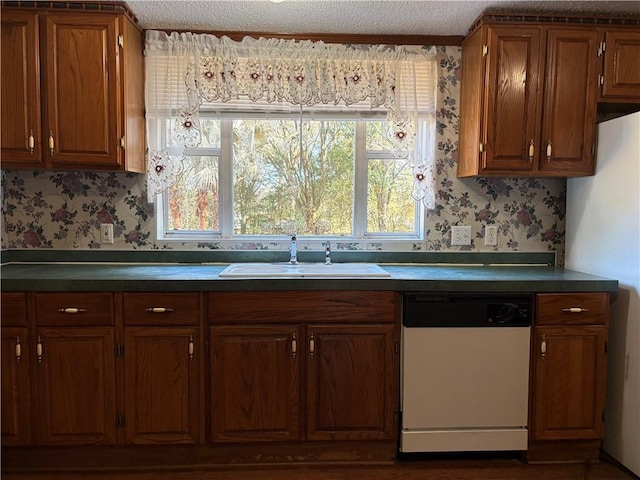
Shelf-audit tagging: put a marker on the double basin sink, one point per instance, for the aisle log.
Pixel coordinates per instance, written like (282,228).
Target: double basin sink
(303,270)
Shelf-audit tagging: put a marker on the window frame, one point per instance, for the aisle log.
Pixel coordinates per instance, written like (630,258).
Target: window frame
(362,156)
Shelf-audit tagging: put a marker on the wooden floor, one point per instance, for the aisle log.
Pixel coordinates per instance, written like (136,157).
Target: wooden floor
(465,469)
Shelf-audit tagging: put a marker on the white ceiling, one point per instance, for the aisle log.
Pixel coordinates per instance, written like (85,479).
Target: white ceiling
(375,17)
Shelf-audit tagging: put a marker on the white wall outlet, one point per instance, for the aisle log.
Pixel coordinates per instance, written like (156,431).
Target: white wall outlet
(106,233)
(490,235)
(461,235)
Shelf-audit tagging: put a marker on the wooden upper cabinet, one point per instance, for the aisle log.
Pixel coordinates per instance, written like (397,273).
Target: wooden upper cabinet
(21,143)
(92,80)
(512,103)
(83,123)
(621,66)
(528,101)
(569,113)
(351,382)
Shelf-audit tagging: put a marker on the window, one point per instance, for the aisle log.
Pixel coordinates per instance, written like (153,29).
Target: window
(345,184)
(257,169)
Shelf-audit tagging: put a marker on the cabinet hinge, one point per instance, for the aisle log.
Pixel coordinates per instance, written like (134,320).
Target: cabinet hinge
(397,347)
(121,41)
(593,149)
(601,79)
(206,348)
(119,350)
(395,417)
(120,421)
(485,50)
(122,141)
(603,46)
(481,147)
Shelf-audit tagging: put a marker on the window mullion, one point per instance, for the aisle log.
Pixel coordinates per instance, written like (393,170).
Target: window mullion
(225,166)
(360,182)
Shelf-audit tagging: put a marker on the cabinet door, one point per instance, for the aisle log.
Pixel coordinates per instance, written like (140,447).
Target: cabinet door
(162,385)
(16,398)
(569,382)
(569,112)
(512,100)
(351,382)
(622,65)
(20,107)
(76,385)
(83,124)
(255,384)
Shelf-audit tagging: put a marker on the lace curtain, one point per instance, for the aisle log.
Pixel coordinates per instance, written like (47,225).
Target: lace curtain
(188,72)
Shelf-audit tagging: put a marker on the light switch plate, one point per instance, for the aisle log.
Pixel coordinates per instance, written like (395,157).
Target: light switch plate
(461,235)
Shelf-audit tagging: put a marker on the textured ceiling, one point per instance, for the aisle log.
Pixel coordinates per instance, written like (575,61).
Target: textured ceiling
(375,17)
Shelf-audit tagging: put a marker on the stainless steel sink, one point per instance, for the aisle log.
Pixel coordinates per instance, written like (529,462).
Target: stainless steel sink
(303,270)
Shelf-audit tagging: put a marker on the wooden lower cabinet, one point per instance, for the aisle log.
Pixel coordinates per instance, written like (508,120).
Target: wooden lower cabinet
(76,385)
(350,382)
(162,385)
(309,366)
(255,383)
(569,361)
(570,381)
(15,370)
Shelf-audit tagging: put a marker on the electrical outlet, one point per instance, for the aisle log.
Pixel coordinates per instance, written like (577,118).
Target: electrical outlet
(106,233)
(461,235)
(490,235)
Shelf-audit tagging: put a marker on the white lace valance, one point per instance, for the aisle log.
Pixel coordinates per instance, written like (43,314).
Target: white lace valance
(190,72)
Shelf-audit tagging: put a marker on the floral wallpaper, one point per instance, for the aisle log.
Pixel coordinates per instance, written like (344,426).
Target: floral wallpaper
(63,210)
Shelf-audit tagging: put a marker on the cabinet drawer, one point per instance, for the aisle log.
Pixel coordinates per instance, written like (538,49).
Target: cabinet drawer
(572,308)
(161,308)
(74,309)
(14,309)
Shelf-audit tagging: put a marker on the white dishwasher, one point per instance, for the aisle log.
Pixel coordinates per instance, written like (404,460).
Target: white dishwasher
(464,372)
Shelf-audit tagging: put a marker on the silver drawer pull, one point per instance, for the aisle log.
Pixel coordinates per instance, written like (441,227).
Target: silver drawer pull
(575,310)
(158,310)
(72,310)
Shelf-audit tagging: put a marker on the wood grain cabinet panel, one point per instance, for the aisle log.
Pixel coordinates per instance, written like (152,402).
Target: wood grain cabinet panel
(162,385)
(568,376)
(621,66)
(20,110)
(570,382)
(255,383)
(309,366)
(16,397)
(80,90)
(350,382)
(15,370)
(528,101)
(76,385)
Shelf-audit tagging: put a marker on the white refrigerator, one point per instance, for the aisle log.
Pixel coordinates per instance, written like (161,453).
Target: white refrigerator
(603,238)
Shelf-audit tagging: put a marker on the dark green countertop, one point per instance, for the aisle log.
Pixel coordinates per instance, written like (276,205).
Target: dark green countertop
(204,277)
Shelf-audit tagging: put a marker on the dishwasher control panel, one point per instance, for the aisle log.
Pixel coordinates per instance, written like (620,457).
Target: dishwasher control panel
(422,310)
